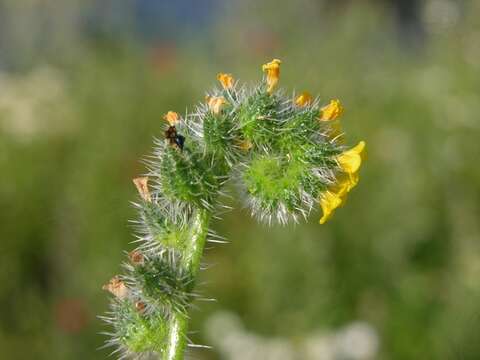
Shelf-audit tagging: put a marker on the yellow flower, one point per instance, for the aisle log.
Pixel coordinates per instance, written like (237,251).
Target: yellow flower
(303,99)
(351,160)
(337,194)
(226,80)
(215,103)
(331,111)
(172,118)
(272,69)
(142,186)
(329,201)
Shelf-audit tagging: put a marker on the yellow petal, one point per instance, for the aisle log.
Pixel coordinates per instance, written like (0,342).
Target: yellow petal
(215,103)
(274,64)
(303,99)
(142,186)
(226,80)
(345,184)
(329,201)
(351,160)
(272,70)
(172,118)
(331,111)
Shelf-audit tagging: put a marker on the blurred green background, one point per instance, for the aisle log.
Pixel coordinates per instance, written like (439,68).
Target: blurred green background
(394,275)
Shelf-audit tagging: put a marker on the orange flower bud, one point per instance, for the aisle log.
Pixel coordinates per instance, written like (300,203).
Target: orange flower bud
(331,111)
(272,69)
(172,118)
(303,99)
(215,103)
(226,80)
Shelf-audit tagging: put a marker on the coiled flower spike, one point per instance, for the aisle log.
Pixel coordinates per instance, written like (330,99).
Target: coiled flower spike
(283,154)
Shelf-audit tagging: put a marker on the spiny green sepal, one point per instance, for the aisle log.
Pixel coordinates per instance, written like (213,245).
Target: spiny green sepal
(159,230)
(219,133)
(186,177)
(258,119)
(300,127)
(138,332)
(278,186)
(162,281)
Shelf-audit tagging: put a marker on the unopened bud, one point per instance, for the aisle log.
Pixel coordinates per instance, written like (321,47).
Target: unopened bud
(172,118)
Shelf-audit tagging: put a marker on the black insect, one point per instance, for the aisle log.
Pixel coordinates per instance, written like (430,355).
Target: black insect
(173,138)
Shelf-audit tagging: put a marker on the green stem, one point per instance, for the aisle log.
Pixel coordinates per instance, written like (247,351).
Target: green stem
(194,250)
(177,340)
(177,337)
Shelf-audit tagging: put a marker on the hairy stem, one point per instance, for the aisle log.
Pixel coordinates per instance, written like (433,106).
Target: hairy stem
(177,337)
(194,249)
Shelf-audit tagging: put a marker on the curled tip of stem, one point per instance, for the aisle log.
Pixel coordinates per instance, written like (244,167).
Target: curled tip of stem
(284,154)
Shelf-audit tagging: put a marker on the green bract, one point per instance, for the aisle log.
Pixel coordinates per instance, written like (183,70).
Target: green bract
(140,333)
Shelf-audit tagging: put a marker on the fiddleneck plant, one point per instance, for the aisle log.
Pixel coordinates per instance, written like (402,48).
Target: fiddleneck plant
(285,152)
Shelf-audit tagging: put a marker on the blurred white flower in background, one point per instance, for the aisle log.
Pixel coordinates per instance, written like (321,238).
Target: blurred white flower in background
(34,104)
(227,334)
(355,341)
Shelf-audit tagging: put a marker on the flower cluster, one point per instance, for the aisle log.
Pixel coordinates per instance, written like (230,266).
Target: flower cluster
(285,152)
